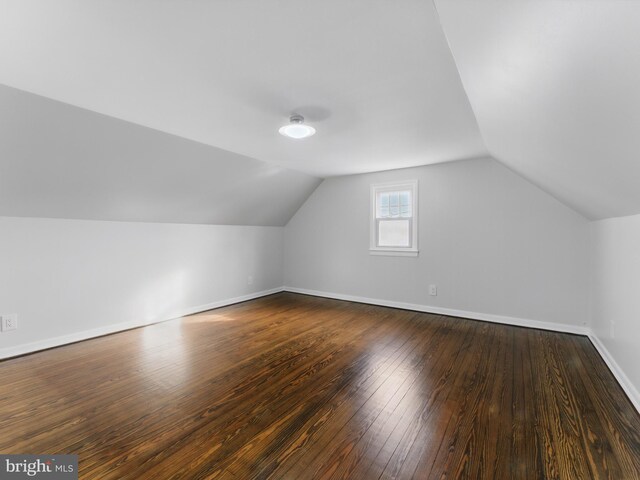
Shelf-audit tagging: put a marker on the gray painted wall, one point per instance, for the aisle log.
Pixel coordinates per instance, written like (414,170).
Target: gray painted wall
(616,293)
(492,242)
(66,277)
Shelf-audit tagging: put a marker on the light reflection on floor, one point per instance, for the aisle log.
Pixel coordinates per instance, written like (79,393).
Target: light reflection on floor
(163,345)
(395,401)
(208,318)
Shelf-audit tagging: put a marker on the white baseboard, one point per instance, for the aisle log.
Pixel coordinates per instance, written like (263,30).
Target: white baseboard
(119,327)
(486,317)
(621,377)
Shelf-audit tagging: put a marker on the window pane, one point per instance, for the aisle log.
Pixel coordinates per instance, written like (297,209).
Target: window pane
(394,204)
(393,233)
(405,204)
(382,205)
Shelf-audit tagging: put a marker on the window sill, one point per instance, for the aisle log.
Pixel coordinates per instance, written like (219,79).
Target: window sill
(394,253)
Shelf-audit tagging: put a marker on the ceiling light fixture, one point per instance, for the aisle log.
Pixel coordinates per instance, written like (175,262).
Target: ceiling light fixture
(297,128)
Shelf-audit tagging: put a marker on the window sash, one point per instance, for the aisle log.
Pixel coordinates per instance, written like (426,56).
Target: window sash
(377,190)
(410,234)
(384,202)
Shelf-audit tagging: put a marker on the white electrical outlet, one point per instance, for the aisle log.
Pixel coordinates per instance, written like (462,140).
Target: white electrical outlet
(250,280)
(9,322)
(433,290)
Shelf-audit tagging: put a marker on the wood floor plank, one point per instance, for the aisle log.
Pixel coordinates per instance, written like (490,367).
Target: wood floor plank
(299,441)
(298,387)
(238,411)
(403,436)
(526,460)
(459,438)
(336,440)
(559,401)
(282,417)
(604,397)
(370,420)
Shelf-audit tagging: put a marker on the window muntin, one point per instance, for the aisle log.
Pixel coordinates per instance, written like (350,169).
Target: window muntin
(393,204)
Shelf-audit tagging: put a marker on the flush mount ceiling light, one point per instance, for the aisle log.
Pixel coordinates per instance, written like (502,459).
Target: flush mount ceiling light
(297,128)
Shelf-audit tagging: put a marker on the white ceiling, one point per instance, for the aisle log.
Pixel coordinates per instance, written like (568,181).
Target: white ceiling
(555,86)
(61,161)
(375,77)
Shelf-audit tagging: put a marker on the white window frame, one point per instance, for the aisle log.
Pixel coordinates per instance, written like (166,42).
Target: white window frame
(374,249)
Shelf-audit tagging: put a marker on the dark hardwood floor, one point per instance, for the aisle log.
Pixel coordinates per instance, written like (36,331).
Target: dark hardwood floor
(298,387)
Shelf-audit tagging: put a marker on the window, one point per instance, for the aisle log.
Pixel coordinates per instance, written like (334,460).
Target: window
(394,219)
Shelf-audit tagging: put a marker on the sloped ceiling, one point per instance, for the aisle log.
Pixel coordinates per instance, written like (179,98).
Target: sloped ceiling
(555,86)
(549,88)
(375,77)
(61,161)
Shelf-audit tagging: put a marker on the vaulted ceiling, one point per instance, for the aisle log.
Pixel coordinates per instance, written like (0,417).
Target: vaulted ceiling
(61,161)
(555,86)
(375,78)
(548,88)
